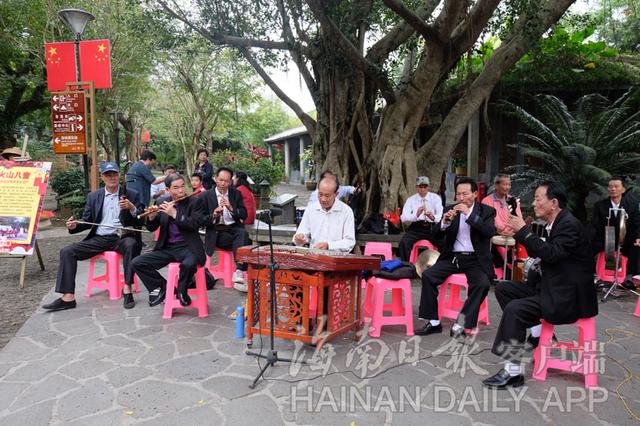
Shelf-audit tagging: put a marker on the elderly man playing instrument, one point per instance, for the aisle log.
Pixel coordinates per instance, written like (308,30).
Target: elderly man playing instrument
(111,207)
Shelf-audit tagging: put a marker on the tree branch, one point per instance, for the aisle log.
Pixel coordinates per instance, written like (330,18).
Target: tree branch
(379,52)
(306,119)
(370,69)
(224,39)
(478,17)
(429,33)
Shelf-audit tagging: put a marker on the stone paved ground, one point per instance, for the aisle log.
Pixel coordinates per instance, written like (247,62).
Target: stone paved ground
(102,365)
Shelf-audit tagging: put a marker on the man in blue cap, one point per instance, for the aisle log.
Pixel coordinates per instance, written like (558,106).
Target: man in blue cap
(112,207)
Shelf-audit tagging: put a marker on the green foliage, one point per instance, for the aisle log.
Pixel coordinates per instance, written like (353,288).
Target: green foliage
(75,204)
(241,161)
(583,147)
(68,180)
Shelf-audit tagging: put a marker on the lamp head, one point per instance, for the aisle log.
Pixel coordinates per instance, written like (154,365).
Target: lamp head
(75,19)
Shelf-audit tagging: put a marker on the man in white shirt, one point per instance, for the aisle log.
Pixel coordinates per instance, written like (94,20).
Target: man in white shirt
(343,191)
(160,189)
(328,223)
(423,210)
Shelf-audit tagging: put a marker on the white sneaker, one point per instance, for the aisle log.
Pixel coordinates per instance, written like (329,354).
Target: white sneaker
(242,287)
(238,276)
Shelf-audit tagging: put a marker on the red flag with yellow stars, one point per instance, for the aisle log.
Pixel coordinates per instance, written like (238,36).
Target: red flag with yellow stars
(61,65)
(95,63)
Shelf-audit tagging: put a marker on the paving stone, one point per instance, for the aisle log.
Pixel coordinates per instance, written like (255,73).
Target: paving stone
(23,349)
(94,396)
(10,391)
(86,368)
(5,367)
(189,330)
(229,387)
(116,417)
(158,354)
(126,375)
(200,415)
(150,397)
(36,414)
(119,326)
(49,338)
(120,340)
(33,371)
(76,327)
(196,367)
(192,345)
(255,407)
(50,388)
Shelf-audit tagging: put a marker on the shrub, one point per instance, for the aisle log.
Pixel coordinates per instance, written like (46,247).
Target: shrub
(262,169)
(75,204)
(68,180)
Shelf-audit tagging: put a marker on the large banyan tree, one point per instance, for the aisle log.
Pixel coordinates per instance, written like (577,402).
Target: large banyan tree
(372,68)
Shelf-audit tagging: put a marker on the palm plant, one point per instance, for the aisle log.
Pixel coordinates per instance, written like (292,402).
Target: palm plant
(582,148)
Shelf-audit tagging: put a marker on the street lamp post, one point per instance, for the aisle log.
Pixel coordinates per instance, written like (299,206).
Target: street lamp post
(76,20)
(116,135)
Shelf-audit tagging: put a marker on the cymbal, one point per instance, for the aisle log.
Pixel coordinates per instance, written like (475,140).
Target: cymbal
(426,260)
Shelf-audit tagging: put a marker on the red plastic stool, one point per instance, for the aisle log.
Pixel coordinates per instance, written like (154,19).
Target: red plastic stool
(585,348)
(607,275)
(637,312)
(112,280)
(200,302)
(374,306)
(413,257)
(225,267)
(450,306)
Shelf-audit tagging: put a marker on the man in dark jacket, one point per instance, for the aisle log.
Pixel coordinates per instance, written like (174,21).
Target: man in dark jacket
(179,241)
(112,207)
(223,213)
(467,227)
(565,292)
(618,198)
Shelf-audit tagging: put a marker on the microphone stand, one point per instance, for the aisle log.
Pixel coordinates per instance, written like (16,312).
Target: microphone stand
(271,356)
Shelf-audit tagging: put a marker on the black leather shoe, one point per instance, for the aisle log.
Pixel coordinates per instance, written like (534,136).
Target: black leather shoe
(502,380)
(59,305)
(533,342)
(127,300)
(459,334)
(429,329)
(156,300)
(184,299)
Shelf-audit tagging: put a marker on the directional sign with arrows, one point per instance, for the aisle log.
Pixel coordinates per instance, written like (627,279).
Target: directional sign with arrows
(68,116)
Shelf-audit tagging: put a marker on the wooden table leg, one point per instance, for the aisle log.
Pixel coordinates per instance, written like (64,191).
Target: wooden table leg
(39,256)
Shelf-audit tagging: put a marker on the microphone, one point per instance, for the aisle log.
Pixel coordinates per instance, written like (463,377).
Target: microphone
(267,214)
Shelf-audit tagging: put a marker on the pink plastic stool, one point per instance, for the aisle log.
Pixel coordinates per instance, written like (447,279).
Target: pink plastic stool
(225,267)
(586,349)
(637,312)
(607,275)
(112,280)
(374,306)
(200,302)
(383,249)
(413,257)
(450,306)
(156,235)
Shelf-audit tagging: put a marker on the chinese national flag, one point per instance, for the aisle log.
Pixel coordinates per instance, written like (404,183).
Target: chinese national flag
(95,63)
(61,65)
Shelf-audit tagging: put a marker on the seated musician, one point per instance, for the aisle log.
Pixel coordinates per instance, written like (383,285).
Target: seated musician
(179,241)
(565,292)
(504,204)
(328,223)
(618,199)
(424,211)
(223,215)
(111,207)
(467,227)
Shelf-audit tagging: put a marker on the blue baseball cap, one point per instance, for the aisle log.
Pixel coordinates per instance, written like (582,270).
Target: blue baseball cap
(108,166)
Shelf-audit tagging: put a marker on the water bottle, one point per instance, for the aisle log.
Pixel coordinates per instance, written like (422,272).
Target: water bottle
(240,322)
(386,227)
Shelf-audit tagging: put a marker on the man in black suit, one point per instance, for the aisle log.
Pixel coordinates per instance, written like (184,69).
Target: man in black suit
(223,211)
(565,292)
(179,241)
(467,227)
(618,198)
(112,207)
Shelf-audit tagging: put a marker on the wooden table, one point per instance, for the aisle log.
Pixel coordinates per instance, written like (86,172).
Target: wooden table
(334,276)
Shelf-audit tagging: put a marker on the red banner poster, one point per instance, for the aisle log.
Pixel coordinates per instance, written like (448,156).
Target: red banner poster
(95,63)
(61,65)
